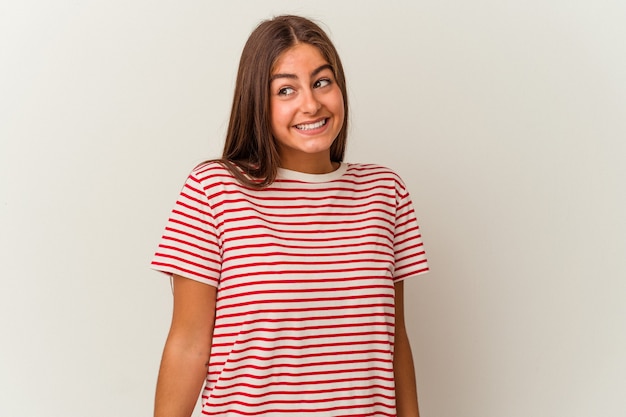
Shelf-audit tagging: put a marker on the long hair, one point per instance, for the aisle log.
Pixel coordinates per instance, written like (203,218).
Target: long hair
(250,151)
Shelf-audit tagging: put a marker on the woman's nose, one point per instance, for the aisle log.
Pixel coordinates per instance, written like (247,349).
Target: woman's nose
(310,103)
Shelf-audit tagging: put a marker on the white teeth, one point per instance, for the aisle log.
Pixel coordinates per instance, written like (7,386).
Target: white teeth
(312,125)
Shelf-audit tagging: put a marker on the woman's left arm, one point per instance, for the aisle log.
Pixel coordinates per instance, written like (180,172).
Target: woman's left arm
(403,369)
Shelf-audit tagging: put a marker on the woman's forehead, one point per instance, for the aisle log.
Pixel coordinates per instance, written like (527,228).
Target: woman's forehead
(300,58)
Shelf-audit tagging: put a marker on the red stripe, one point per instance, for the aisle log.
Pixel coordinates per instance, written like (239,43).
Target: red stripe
(187,252)
(299,410)
(282,207)
(252,237)
(411,273)
(303,347)
(333,381)
(299,400)
(282,232)
(286,264)
(181,271)
(370,254)
(309,248)
(305,337)
(410,256)
(302,194)
(299,392)
(310,355)
(301,319)
(311,373)
(193,245)
(305,281)
(308,309)
(299,291)
(187,262)
(298,211)
(316,223)
(383,272)
(191,235)
(302,328)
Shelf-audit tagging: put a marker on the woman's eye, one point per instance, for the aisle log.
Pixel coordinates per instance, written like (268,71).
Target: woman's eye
(286,91)
(321,83)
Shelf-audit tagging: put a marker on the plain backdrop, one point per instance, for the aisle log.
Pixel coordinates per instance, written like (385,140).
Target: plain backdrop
(507,120)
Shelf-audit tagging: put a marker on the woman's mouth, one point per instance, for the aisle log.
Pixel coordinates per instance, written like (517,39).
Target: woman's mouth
(311,126)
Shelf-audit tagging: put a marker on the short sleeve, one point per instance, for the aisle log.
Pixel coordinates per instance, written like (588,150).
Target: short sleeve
(190,244)
(409,253)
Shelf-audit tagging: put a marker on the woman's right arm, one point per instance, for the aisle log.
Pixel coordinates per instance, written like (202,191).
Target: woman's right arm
(186,354)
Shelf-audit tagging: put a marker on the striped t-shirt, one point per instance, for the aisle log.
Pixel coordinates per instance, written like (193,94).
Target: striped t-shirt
(305,271)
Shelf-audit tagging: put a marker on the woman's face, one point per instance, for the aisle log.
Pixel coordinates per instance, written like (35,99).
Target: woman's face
(306,107)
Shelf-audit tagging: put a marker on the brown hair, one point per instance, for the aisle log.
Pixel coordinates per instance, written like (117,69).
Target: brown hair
(250,151)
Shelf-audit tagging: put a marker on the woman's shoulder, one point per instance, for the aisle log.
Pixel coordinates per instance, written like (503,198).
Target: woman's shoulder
(377,174)
(211,165)
(211,172)
(369,169)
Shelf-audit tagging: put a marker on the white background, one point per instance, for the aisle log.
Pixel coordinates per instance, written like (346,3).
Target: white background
(507,119)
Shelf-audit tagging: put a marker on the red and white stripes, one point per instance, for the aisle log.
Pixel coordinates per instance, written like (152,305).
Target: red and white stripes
(305,271)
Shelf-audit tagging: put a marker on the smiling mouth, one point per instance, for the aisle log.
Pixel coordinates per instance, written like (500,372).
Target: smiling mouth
(311,126)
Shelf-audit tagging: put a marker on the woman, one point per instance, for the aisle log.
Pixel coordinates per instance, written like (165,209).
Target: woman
(288,263)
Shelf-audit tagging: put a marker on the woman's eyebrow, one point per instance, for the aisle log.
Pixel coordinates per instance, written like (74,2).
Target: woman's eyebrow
(295,77)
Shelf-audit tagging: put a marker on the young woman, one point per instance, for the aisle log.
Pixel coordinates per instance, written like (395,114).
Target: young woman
(288,263)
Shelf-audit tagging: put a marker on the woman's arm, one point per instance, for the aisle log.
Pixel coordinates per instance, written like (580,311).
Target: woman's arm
(186,353)
(403,369)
